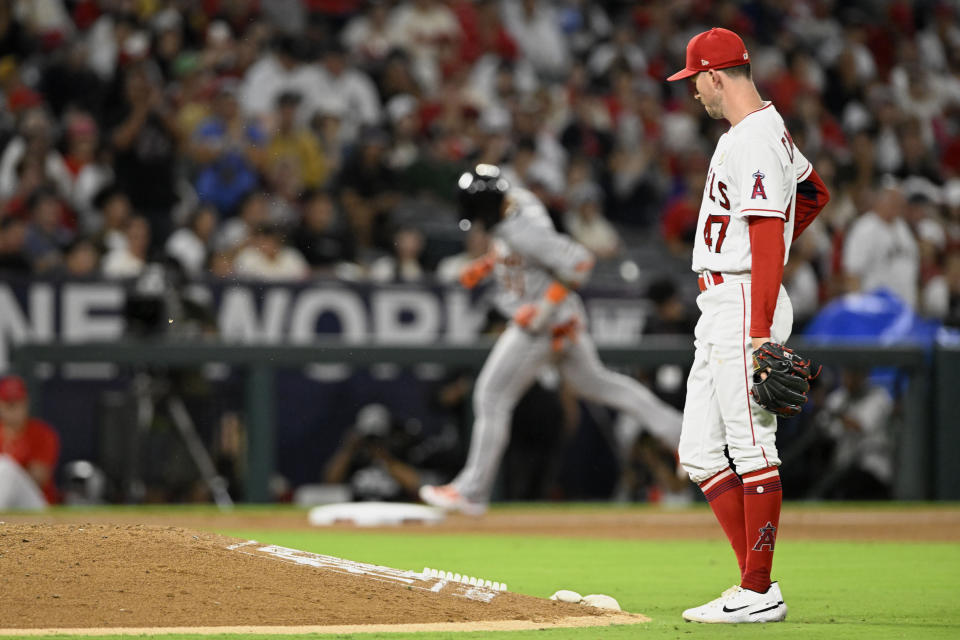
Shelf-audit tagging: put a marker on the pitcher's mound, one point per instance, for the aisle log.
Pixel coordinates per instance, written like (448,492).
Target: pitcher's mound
(109,577)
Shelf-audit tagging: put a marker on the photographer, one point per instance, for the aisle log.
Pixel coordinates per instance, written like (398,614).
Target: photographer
(371,458)
(856,421)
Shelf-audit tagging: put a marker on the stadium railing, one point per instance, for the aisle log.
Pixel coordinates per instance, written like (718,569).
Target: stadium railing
(925,469)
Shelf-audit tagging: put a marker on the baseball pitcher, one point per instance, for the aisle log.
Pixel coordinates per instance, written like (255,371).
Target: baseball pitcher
(760,194)
(537,271)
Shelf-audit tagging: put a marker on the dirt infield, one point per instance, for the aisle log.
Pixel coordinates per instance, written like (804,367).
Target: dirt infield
(919,523)
(132,576)
(94,571)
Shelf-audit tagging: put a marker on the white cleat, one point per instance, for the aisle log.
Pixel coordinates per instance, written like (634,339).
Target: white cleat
(449,499)
(738,605)
(694,614)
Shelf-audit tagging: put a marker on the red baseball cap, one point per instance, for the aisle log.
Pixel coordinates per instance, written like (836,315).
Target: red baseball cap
(12,389)
(715,49)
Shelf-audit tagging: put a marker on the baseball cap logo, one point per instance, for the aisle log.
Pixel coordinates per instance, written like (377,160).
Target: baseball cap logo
(717,48)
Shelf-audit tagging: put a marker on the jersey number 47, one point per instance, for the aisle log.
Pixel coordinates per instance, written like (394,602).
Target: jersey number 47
(723,221)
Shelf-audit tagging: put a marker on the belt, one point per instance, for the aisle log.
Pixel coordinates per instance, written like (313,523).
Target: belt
(708,279)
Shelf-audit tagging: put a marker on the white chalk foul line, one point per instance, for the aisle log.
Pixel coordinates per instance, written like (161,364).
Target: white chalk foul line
(241,544)
(409,579)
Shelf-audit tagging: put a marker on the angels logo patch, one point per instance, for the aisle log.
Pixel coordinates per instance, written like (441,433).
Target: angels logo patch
(758,189)
(768,537)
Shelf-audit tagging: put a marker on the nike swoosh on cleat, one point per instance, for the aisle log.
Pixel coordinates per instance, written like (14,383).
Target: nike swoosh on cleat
(725,610)
(753,613)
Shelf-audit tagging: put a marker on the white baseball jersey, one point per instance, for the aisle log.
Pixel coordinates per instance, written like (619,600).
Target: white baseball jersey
(754,171)
(883,254)
(531,254)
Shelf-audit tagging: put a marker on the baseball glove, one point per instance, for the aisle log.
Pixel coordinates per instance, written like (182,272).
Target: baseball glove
(783,390)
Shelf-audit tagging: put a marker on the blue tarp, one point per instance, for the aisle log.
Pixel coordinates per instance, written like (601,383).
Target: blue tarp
(878,317)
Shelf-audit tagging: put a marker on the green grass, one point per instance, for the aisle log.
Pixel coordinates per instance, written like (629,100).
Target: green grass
(834,589)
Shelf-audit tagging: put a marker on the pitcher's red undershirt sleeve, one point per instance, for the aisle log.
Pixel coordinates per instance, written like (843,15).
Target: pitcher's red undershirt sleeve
(812,197)
(766,272)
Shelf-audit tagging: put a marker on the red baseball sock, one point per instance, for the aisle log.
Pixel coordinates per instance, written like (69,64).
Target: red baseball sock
(761,507)
(725,495)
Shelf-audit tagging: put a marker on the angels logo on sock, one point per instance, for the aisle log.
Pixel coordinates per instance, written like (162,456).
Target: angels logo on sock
(758,189)
(768,537)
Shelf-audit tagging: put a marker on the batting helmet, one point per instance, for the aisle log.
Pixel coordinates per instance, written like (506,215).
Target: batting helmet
(481,192)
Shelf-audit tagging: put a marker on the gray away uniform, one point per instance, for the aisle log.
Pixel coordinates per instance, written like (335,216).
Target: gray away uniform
(531,255)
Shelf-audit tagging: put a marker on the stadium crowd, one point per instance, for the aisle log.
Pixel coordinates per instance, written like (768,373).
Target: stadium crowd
(292,139)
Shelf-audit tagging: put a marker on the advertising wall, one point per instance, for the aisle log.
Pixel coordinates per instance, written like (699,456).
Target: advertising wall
(75,311)
(317,403)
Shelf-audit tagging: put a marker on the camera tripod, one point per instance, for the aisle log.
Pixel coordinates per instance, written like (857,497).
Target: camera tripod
(151,391)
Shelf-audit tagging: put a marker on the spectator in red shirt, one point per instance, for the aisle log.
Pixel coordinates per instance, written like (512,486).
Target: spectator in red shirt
(29,449)
(483,31)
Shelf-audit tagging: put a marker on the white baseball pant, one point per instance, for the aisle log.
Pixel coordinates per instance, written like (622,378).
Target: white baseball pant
(718,410)
(510,369)
(17,488)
